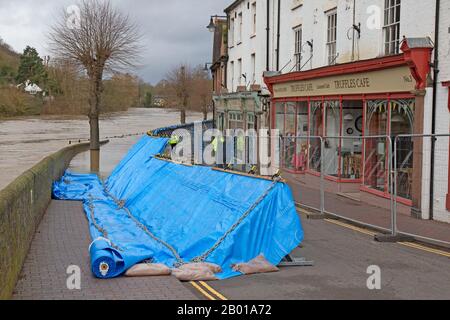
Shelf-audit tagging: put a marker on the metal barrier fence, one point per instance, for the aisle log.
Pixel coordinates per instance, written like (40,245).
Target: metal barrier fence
(383,170)
(426,188)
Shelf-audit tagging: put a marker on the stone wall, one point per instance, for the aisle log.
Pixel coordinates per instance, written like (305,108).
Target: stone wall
(22,206)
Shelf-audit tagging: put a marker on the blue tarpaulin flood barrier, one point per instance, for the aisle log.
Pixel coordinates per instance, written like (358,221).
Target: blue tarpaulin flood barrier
(155,210)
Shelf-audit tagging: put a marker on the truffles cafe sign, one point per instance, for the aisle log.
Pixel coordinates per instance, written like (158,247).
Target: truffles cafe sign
(390,80)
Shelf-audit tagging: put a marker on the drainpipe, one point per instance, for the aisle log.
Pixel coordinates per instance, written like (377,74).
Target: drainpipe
(433,120)
(278,34)
(353,38)
(213,102)
(268,37)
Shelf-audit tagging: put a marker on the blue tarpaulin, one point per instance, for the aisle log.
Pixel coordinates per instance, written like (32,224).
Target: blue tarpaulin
(151,209)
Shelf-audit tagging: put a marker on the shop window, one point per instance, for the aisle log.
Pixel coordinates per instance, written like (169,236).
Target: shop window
(391,27)
(332,141)
(402,121)
(393,118)
(236,123)
(351,145)
(220,121)
(300,159)
(316,130)
(290,134)
(279,117)
(250,120)
(235,120)
(375,155)
(252,140)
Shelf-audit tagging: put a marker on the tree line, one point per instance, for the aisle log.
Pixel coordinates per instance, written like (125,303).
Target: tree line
(64,85)
(186,88)
(66,88)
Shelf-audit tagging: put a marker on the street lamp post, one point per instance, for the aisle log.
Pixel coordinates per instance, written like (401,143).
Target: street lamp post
(212,25)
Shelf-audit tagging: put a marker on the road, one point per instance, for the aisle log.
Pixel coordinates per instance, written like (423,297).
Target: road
(342,255)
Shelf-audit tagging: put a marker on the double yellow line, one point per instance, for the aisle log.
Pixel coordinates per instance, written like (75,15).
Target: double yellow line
(348,226)
(207,291)
(427,249)
(407,244)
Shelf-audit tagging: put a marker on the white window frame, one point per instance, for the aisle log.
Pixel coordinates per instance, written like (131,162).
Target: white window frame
(231,32)
(254,18)
(391,28)
(235,120)
(239,40)
(239,66)
(232,75)
(332,37)
(253,61)
(250,146)
(251,120)
(298,39)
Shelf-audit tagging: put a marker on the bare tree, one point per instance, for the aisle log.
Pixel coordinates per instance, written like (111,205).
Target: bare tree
(102,40)
(179,89)
(202,91)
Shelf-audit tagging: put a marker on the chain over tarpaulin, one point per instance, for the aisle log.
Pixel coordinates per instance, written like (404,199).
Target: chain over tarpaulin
(154,210)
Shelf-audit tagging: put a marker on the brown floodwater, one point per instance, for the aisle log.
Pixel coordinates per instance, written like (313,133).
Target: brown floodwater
(26,141)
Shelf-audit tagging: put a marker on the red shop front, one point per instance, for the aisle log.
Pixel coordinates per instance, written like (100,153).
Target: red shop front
(351,107)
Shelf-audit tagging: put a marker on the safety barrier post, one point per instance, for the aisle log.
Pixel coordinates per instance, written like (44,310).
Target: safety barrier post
(281,153)
(322,176)
(394,190)
(394,235)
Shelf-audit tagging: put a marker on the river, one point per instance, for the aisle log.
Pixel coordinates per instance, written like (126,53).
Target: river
(26,141)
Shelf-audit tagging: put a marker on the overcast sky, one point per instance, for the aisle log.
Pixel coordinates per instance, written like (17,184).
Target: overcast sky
(174,30)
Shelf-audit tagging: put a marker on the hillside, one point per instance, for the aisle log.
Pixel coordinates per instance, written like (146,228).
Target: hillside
(70,90)
(9,62)
(12,101)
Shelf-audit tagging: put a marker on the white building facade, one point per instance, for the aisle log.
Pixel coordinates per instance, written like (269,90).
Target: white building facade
(326,24)
(441,197)
(342,68)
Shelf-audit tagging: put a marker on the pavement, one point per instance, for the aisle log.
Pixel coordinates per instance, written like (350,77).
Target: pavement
(341,253)
(62,240)
(366,213)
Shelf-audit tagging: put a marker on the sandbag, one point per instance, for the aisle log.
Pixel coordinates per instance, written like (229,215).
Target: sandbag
(148,270)
(257,265)
(197,272)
